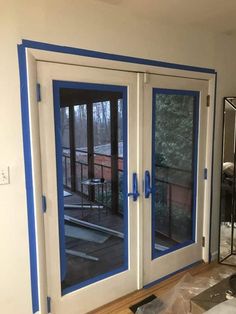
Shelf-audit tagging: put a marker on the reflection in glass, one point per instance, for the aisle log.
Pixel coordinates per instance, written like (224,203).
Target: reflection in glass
(175,138)
(65,134)
(92,129)
(227,248)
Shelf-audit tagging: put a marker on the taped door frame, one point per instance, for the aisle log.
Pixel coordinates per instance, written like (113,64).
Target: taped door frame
(29,52)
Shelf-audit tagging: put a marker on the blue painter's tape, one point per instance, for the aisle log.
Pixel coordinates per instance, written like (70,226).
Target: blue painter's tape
(28,176)
(26,134)
(195,94)
(109,56)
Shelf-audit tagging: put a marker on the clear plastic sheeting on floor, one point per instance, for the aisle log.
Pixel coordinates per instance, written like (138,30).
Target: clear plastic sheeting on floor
(225,242)
(227,307)
(177,299)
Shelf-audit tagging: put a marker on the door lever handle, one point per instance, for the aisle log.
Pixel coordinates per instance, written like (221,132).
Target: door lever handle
(147,184)
(135,192)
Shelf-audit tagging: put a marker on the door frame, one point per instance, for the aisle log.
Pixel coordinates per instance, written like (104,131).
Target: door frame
(28,53)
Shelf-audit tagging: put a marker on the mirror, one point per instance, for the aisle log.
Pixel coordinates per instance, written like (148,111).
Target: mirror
(227,241)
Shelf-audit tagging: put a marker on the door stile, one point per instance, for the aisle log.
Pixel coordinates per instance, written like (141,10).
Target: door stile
(140,170)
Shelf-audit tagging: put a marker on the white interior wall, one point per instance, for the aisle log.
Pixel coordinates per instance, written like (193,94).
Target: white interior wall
(98,26)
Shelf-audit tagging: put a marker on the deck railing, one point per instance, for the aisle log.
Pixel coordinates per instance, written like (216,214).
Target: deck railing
(171,193)
(101,169)
(168,195)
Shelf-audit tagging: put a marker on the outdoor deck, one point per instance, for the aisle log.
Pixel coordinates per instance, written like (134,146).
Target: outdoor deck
(103,252)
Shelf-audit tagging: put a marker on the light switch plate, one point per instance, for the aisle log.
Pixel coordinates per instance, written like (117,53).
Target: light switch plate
(4,175)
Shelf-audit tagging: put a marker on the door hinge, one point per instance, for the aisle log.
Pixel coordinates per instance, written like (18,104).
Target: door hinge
(205,173)
(38,92)
(208,101)
(44,204)
(203,241)
(49,304)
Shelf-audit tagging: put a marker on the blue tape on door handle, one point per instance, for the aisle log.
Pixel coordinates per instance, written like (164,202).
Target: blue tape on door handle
(135,192)
(147,184)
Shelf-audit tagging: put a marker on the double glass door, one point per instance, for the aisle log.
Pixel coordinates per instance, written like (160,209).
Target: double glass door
(92,181)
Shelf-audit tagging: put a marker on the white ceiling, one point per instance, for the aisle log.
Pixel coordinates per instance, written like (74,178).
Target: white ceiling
(213,15)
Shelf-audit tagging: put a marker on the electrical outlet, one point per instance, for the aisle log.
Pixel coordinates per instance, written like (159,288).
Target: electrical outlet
(4,175)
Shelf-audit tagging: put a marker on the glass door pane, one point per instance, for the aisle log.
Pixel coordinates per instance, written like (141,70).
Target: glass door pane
(175,123)
(92,193)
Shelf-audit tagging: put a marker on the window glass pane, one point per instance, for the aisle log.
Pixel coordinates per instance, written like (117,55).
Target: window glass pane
(174,155)
(80,125)
(101,128)
(65,139)
(80,138)
(120,128)
(94,217)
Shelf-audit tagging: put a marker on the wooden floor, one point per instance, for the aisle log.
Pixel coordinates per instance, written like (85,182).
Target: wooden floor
(122,305)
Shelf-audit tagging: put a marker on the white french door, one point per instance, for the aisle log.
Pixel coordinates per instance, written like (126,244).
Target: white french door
(87,119)
(175,124)
(92,185)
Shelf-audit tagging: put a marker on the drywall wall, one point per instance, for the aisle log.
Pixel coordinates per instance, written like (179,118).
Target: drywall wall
(98,26)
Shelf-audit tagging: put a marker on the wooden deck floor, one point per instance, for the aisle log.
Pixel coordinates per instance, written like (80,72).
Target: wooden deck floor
(110,253)
(121,306)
